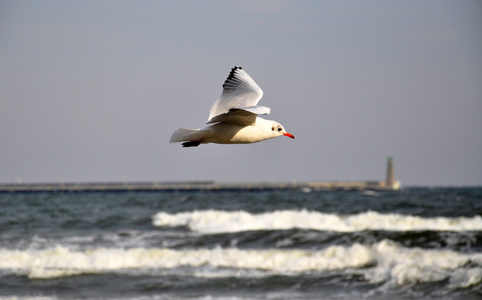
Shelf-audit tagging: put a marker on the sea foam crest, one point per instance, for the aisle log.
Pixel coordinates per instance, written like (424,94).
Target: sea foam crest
(216,221)
(381,263)
(61,261)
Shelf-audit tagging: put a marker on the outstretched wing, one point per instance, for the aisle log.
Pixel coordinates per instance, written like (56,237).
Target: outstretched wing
(237,103)
(241,116)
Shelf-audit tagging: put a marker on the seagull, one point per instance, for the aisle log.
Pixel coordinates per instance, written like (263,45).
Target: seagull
(233,118)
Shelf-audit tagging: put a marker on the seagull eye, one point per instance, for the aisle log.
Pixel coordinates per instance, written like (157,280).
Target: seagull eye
(279,129)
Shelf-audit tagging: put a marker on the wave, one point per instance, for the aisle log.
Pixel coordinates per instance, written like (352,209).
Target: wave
(383,262)
(216,221)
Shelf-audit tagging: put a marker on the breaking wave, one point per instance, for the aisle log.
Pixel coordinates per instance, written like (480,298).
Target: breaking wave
(216,221)
(383,262)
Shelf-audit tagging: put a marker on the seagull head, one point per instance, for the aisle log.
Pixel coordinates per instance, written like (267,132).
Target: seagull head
(279,130)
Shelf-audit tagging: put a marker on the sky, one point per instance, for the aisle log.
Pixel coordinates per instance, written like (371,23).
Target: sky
(90,91)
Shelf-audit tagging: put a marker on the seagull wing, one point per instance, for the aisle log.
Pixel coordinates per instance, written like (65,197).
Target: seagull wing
(237,103)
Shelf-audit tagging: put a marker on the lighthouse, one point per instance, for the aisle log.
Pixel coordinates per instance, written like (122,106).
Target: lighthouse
(390,181)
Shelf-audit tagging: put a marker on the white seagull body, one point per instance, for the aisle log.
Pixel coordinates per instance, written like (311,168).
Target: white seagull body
(233,118)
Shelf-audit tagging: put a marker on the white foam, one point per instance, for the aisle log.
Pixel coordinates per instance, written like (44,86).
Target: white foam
(398,265)
(383,262)
(215,221)
(60,261)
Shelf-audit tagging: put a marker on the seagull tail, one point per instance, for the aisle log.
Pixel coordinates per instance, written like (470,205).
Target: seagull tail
(187,135)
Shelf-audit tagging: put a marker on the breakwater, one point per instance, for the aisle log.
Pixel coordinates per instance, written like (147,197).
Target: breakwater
(192,186)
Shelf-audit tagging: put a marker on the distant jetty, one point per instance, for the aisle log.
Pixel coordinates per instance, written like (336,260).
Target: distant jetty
(192,186)
(205,186)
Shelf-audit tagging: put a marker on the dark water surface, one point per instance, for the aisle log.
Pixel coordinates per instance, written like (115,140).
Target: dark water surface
(417,243)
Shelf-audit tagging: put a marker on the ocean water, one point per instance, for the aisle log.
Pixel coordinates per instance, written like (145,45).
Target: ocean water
(417,243)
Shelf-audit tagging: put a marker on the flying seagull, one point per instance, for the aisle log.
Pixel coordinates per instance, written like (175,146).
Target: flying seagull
(233,118)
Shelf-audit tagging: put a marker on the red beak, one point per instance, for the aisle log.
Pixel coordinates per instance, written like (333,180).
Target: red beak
(289,135)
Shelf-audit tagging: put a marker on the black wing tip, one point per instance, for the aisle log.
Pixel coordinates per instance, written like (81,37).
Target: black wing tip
(232,74)
(191,144)
(233,71)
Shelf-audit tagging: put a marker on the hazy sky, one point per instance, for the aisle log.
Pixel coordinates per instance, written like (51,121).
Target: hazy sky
(92,90)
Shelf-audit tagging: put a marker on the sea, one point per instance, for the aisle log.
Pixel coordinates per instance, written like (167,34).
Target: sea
(414,243)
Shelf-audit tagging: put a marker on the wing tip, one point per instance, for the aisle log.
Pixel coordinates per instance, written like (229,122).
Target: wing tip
(232,74)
